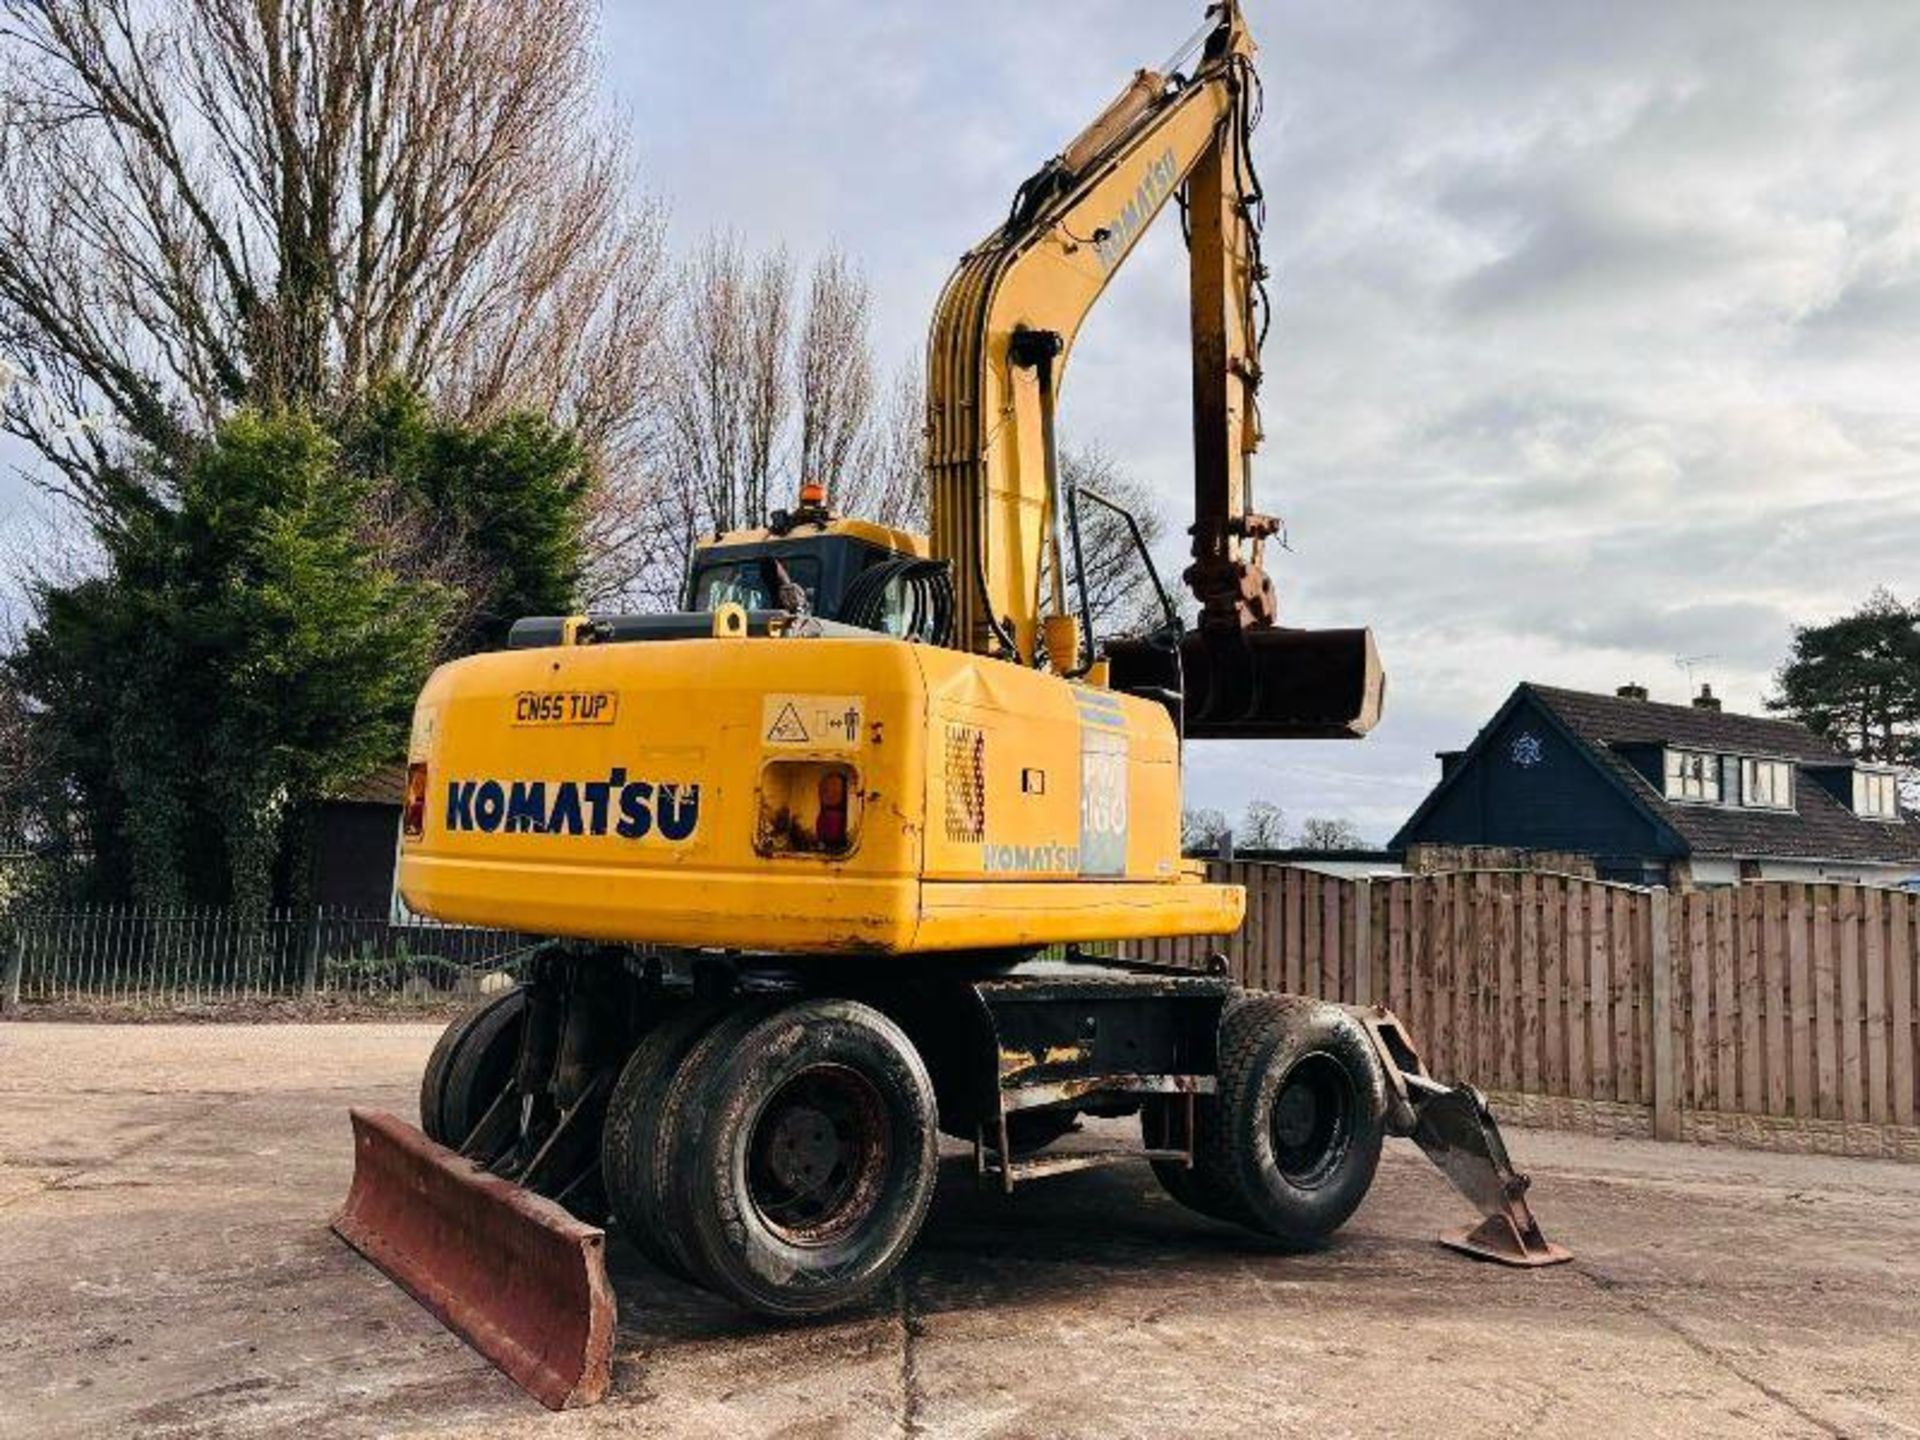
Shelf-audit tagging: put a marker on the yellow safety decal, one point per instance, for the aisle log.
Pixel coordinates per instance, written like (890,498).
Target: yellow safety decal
(812,722)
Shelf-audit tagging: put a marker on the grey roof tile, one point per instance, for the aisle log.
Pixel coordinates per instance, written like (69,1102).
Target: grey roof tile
(1819,827)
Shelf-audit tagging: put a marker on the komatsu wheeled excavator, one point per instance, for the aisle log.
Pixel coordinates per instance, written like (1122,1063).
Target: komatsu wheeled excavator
(850,852)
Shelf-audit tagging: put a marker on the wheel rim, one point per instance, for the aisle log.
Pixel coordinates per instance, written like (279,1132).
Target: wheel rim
(1312,1120)
(818,1157)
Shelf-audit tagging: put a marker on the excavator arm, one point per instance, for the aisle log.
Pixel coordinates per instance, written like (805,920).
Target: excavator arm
(1001,338)
(1007,321)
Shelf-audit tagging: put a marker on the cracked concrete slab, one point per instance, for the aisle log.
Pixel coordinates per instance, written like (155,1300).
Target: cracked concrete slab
(165,1269)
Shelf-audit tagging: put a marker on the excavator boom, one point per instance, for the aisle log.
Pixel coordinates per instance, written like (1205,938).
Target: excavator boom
(1002,336)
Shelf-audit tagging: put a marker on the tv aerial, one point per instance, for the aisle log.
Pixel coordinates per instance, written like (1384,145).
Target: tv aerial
(1690,663)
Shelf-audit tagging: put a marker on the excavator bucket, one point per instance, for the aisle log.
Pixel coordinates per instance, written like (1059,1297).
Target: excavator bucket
(511,1273)
(1259,684)
(1453,1125)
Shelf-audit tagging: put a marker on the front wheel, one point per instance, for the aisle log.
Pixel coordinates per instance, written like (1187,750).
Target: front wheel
(807,1157)
(1295,1130)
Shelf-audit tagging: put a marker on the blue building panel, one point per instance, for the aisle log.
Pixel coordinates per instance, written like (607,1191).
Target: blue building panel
(1528,785)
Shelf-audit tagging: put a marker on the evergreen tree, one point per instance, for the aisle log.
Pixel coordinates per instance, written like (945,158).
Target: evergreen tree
(506,501)
(1856,680)
(243,655)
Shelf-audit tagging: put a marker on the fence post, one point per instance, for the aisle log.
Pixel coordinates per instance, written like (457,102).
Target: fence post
(311,981)
(14,949)
(1666,1076)
(1363,941)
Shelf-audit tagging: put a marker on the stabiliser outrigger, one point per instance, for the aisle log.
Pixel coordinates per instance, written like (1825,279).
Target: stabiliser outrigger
(828,853)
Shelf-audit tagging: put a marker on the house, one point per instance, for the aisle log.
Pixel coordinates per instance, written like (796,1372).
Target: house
(1668,794)
(356,838)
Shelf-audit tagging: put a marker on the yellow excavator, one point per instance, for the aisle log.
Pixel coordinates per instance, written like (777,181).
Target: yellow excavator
(849,852)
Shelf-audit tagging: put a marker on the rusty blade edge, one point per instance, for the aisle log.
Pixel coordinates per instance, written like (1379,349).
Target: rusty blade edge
(484,1295)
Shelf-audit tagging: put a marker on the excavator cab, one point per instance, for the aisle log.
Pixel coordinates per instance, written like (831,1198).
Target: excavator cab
(810,562)
(811,574)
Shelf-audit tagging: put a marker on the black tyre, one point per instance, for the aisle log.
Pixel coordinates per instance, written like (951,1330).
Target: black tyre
(666,1190)
(632,1128)
(1198,1187)
(470,1065)
(1205,1188)
(1297,1125)
(806,1153)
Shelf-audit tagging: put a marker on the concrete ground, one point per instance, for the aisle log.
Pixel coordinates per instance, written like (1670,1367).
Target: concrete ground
(165,1269)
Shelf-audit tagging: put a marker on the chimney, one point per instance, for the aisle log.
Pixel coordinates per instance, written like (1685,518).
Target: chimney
(1632,690)
(1706,699)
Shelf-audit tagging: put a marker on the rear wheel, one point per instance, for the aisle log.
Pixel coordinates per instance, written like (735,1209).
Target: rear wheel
(806,1152)
(470,1066)
(632,1130)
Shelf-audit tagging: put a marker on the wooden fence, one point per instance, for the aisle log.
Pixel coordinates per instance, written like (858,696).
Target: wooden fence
(1776,1013)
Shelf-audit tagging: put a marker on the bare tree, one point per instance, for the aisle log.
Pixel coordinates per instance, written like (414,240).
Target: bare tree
(767,388)
(887,482)
(205,203)
(729,397)
(835,370)
(1262,827)
(1202,829)
(1120,591)
(1319,832)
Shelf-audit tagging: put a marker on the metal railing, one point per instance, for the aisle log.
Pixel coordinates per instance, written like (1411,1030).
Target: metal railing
(185,956)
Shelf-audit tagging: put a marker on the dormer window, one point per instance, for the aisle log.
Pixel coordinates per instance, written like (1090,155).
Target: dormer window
(1766,784)
(1876,795)
(1693,775)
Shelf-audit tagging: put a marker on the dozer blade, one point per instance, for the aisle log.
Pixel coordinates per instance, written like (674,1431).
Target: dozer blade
(511,1273)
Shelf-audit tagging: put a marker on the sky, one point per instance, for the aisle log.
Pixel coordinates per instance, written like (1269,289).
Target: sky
(1597,345)
(1597,327)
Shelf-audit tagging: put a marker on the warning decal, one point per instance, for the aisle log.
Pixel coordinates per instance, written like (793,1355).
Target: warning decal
(787,728)
(816,722)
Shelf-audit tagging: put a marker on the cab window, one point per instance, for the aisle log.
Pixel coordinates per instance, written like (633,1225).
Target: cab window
(754,583)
